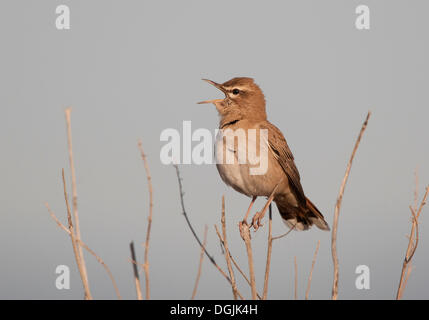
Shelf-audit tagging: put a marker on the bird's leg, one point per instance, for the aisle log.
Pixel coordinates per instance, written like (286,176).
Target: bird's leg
(250,208)
(256,220)
(244,221)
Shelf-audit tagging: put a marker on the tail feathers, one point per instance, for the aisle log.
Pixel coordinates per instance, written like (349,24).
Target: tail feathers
(316,216)
(302,218)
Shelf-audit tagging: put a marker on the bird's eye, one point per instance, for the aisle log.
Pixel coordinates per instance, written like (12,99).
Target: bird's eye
(235,91)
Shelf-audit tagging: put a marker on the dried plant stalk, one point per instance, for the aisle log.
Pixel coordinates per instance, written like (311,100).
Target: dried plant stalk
(200,265)
(234,261)
(337,210)
(135,271)
(307,292)
(109,273)
(227,255)
(212,260)
(74,202)
(245,235)
(75,244)
(412,245)
(269,250)
(149,219)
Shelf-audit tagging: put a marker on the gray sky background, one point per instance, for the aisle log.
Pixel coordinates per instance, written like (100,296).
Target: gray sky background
(130,69)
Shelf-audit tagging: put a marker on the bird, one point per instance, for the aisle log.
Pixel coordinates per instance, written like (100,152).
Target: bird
(244,107)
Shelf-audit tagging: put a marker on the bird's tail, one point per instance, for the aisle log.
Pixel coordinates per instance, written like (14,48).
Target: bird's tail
(302,218)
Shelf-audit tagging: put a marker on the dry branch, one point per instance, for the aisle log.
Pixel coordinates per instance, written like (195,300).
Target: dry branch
(81,243)
(413,241)
(269,250)
(337,210)
(74,241)
(74,202)
(135,271)
(212,260)
(227,254)
(285,234)
(200,265)
(149,219)
(307,292)
(234,261)
(245,235)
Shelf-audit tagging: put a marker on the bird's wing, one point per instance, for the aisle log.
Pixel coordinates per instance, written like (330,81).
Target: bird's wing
(284,156)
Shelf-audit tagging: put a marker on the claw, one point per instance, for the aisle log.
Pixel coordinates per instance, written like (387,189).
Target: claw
(256,221)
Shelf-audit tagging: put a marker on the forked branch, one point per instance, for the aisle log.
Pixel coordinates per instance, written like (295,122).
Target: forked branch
(74,203)
(337,210)
(212,260)
(109,273)
(413,241)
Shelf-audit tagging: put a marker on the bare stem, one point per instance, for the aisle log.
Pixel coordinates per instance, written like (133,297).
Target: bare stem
(412,244)
(269,250)
(73,238)
(74,202)
(149,224)
(227,255)
(337,210)
(135,271)
(245,234)
(197,280)
(307,292)
(234,261)
(212,260)
(109,273)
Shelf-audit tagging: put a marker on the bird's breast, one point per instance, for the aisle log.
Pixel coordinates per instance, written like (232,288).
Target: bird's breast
(243,161)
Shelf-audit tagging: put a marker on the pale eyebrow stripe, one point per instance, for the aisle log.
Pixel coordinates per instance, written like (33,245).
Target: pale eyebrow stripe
(229,89)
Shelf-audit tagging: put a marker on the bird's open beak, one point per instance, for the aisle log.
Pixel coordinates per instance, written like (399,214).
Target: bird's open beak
(217,85)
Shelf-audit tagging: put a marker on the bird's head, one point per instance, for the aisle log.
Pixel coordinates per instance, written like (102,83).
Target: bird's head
(243,97)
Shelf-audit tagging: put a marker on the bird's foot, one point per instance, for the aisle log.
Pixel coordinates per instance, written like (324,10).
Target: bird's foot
(256,220)
(244,230)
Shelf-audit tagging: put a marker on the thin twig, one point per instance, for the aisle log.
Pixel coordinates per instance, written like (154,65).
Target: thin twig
(149,219)
(416,189)
(416,234)
(197,280)
(240,270)
(269,250)
(285,234)
(245,235)
(412,245)
(138,264)
(109,273)
(74,202)
(407,275)
(307,292)
(135,271)
(423,202)
(186,215)
(74,239)
(227,255)
(233,260)
(337,210)
(212,260)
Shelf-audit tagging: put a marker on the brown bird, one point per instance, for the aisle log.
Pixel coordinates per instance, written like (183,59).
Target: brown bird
(244,108)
